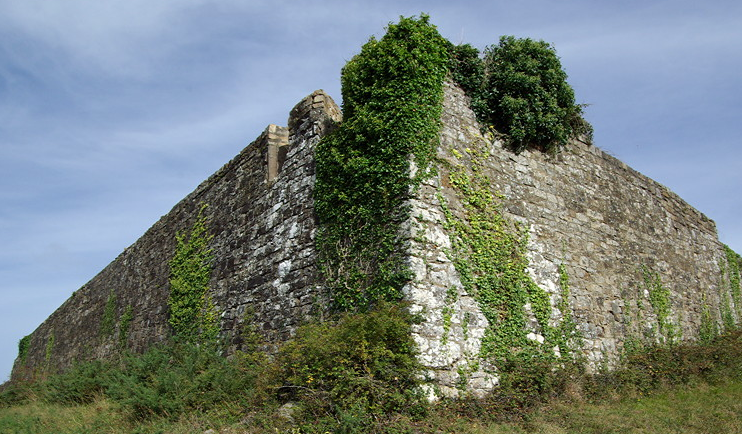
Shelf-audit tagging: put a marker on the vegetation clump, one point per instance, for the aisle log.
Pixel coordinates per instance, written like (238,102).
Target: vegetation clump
(520,89)
(489,253)
(392,95)
(192,313)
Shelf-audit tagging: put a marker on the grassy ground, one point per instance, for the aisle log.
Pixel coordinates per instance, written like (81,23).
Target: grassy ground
(701,408)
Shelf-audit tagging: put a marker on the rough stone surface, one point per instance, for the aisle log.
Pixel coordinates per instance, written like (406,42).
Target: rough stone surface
(260,211)
(583,208)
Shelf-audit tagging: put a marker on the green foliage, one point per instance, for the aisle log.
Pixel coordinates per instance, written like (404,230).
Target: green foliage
(709,328)
(188,388)
(489,252)
(108,320)
(392,93)
(659,298)
(449,300)
(363,363)
(81,384)
(23,345)
(124,323)
(734,264)
(467,70)
(165,381)
(715,361)
(192,314)
(175,379)
(521,89)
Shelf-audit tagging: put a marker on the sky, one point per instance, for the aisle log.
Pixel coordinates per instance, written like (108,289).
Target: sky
(112,111)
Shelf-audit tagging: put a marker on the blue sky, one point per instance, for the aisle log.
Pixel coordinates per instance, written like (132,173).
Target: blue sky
(112,111)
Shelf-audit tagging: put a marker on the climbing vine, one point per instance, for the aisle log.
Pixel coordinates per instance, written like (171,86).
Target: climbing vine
(566,335)
(447,312)
(392,95)
(192,312)
(708,329)
(489,252)
(124,324)
(23,345)
(734,262)
(108,320)
(659,298)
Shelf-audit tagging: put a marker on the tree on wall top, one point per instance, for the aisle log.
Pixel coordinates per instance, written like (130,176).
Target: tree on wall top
(521,90)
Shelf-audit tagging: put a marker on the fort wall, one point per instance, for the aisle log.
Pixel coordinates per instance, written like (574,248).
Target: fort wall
(609,228)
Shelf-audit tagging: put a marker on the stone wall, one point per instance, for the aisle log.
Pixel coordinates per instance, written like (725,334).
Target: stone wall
(608,225)
(260,211)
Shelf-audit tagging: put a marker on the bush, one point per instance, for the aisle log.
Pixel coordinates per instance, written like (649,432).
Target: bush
(528,94)
(361,364)
(170,380)
(521,90)
(82,384)
(654,367)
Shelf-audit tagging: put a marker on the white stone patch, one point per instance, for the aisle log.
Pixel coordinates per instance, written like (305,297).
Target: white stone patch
(283,268)
(293,230)
(535,337)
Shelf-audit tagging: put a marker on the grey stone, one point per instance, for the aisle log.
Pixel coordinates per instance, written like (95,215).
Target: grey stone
(583,208)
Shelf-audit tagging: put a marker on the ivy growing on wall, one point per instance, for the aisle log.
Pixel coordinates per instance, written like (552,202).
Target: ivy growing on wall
(392,95)
(734,264)
(108,320)
(124,324)
(23,345)
(489,252)
(659,298)
(709,328)
(192,312)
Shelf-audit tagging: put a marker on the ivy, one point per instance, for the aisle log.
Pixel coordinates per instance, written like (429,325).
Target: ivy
(23,346)
(708,329)
(108,320)
(734,263)
(566,335)
(392,99)
(489,252)
(659,298)
(447,311)
(192,313)
(124,324)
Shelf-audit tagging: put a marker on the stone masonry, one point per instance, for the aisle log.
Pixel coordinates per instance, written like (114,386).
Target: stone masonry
(585,210)
(260,211)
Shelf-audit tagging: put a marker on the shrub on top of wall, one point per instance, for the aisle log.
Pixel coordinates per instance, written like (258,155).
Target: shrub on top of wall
(521,90)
